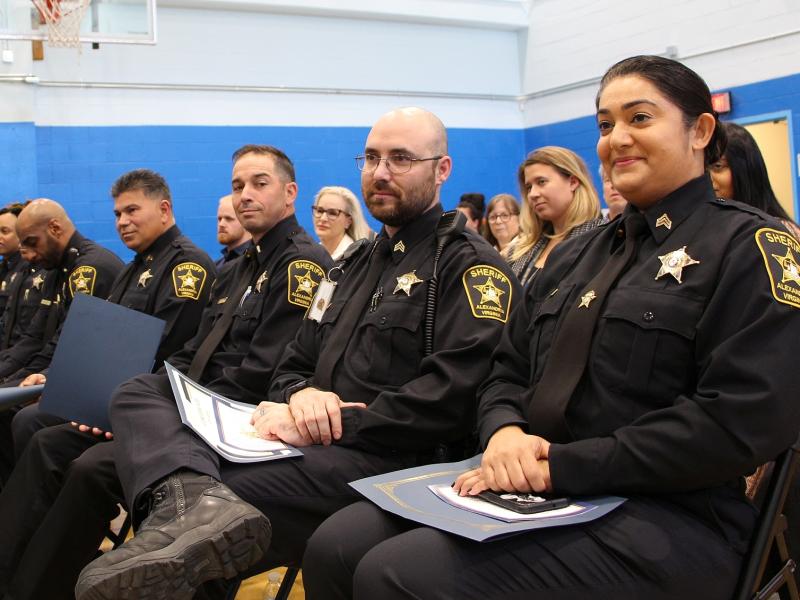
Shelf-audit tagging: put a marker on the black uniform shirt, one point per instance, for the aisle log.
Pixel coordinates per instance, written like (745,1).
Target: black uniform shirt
(24,299)
(86,268)
(690,382)
(229,254)
(415,402)
(267,316)
(10,269)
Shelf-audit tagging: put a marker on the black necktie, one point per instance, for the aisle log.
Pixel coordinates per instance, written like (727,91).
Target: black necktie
(220,328)
(570,349)
(343,330)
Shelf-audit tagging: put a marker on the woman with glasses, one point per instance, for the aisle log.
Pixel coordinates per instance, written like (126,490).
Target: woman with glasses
(558,203)
(338,220)
(502,221)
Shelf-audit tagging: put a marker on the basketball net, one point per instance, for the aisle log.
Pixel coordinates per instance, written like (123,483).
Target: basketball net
(63,19)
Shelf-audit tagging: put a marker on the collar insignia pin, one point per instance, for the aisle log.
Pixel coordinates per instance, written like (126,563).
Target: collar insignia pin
(406,282)
(587,298)
(399,247)
(664,221)
(674,262)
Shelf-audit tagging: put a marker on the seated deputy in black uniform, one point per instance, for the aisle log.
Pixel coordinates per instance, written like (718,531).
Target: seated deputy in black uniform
(256,307)
(77,266)
(13,264)
(169,278)
(46,518)
(379,384)
(664,375)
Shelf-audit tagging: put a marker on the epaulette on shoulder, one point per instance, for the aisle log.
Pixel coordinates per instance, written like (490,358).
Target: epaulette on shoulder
(726,204)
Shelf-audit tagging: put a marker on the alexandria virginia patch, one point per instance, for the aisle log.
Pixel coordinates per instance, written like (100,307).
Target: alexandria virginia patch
(188,279)
(781,253)
(81,280)
(488,292)
(304,277)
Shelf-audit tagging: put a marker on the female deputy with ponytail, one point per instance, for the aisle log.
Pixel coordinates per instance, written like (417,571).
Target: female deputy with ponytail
(649,359)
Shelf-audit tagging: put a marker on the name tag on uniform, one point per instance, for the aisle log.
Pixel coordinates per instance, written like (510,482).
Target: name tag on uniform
(322,299)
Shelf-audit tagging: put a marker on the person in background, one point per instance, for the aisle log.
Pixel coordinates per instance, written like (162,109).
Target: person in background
(559,202)
(502,221)
(13,265)
(338,219)
(230,233)
(741,175)
(614,200)
(472,205)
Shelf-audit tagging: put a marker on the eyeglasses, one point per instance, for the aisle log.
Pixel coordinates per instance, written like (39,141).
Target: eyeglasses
(499,218)
(333,213)
(396,163)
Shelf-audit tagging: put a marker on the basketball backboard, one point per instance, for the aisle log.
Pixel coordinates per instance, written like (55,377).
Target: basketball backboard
(105,21)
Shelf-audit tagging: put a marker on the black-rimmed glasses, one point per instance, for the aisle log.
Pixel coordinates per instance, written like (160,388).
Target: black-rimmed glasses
(333,213)
(499,218)
(396,163)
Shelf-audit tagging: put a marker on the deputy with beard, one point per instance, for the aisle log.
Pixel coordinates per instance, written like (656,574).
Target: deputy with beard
(361,389)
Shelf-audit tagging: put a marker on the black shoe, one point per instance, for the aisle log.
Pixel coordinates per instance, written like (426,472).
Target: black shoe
(197,530)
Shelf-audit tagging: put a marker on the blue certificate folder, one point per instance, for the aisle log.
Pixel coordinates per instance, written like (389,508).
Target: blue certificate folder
(101,345)
(406,494)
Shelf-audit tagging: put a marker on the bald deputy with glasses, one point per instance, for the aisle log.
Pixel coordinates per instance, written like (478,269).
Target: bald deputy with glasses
(377,379)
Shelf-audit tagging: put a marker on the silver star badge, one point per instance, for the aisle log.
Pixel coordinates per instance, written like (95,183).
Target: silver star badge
(587,298)
(405,282)
(144,278)
(674,262)
(260,281)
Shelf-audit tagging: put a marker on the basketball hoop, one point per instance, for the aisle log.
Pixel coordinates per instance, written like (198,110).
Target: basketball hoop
(63,19)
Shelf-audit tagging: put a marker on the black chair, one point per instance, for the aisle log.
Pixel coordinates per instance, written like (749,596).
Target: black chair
(768,558)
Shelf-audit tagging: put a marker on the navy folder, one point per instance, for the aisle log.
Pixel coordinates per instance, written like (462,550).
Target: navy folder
(101,345)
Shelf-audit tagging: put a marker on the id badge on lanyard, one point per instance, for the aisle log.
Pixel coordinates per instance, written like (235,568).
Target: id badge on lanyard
(322,299)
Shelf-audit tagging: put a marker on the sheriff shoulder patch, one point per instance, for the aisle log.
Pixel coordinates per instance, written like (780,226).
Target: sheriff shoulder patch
(781,253)
(188,280)
(81,280)
(488,292)
(304,277)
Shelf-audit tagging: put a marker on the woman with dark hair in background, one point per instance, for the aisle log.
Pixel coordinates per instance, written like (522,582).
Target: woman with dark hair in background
(650,359)
(558,202)
(502,221)
(472,205)
(741,175)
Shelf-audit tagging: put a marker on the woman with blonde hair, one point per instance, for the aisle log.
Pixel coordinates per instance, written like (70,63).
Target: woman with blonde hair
(338,219)
(558,202)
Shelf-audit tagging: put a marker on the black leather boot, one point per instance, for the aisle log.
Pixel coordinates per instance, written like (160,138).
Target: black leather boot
(197,530)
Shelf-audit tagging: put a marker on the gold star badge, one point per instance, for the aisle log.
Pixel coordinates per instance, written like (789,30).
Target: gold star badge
(664,221)
(81,283)
(144,277)
(188,280)
(674,262)
(791,270)
(37,281)
(587,298)
(406,282)
(489,292)
(305,285)
(399,247)
(260,281)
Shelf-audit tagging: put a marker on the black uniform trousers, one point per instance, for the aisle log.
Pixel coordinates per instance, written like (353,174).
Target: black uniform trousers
(644,549)
(295,494)
(54,512)
(28,421)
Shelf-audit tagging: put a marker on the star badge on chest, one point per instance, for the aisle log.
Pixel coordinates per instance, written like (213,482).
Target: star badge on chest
(260,281)
(144,278)
(587,298)
(37,281)
(406,282)
(674,262)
